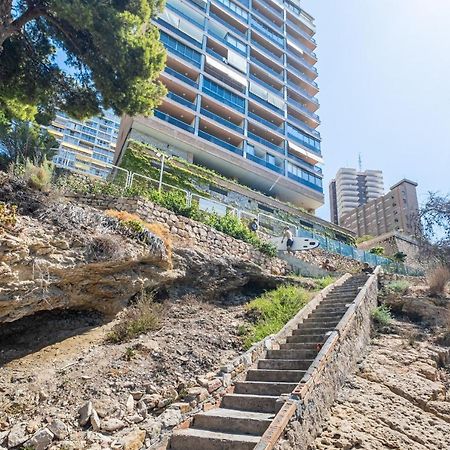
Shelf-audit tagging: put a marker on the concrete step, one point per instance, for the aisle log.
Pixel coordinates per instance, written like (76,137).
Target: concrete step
(304,338)
(315,324)
(321,321)
(326,314)
(291,354)
(233,421)
(284,364)
(312,347)
(317,330)
(264,387)
(249,402)
(192,438)
(275,375)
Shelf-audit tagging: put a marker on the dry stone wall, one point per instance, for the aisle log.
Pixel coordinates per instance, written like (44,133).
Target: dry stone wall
(186,230)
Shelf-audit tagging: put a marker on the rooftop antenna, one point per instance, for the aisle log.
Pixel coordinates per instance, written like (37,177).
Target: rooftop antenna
(360,162)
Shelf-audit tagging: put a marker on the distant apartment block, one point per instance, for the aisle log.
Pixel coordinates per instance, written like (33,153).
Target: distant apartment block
(242,95)
(351,189)
(88,146)
(395,211)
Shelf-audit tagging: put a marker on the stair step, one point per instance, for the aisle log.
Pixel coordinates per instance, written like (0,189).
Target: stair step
(317,330)
(275,375)
(249,402)
(320,321)
(284,364)
(233,421)
(314,348)
(291,354)
(264,387)
(303,338)
(192,438)
(325,314)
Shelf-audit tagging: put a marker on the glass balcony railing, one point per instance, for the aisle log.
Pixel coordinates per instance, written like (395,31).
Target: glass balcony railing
(304,143)
(220,119)
(235,10)
(302,75)
(178,32)
(222,99)
(301,59)
(182,14)
(173,120)
(300,31)
(305,182)
(180,76)
(224,41)
(179,49)
(267,52)
(266,85)
(267,21)
(228,25)
(304,92)
(271,8)
(265,142)
(265,163)
(265,30)
(267,123)
(266,103)
(269,69)
(304,163)
(220,142)
(215,54)
(300,106)
(183,101)
(303,125)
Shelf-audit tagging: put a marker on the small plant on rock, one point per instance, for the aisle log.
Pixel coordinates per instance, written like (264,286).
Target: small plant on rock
(103,247)
(399,287)
(38,177)
(377,251)
(8,215)
(382,315)
(438,280)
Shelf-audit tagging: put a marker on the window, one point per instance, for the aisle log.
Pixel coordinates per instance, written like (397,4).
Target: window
(303,138)
(226,96)
(180,49)
(236,43)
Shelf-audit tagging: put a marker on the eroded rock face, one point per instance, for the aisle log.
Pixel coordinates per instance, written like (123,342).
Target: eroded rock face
(399,399)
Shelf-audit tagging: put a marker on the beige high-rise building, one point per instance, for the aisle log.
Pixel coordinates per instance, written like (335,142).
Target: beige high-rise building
(395,211)
(352,188)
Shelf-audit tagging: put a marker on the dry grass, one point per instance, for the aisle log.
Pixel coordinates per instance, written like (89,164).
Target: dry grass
(142,317)
(103,247)
(438,279)
(156,228)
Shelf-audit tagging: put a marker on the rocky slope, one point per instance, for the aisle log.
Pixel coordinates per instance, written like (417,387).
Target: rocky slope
(398,399)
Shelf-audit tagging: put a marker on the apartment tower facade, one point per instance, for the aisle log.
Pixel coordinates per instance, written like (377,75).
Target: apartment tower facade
(351,189)
(242,95)
(86,146)
(396,211)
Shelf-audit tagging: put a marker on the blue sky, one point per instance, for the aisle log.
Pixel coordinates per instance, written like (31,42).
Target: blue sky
(384,75)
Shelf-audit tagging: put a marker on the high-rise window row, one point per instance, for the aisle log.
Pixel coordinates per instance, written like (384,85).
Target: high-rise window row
(241,80)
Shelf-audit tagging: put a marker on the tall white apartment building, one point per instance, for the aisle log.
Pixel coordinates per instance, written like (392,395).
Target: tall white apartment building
(351,189)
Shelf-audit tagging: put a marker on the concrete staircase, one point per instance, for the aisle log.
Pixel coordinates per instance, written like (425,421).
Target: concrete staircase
(244,415)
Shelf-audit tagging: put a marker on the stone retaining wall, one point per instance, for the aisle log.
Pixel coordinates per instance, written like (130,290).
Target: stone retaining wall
(186,230)
(302,416)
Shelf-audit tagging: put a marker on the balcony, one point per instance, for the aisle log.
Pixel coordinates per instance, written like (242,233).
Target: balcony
(302,91)
(174,121)
(267,123)
(180,76)
(300,31)
(305,163)
(305,142)
(264,163)
(228,25)
(273,10)
(180,33)
(305,182)
(265,142)
(299,57)
(266,31)
(225,42)
(267,52)
(266,103)
(185,16)
(266,85)
(302,108)
(267,21)
(269,69)
(302,75)
(220,142)
(304,126)
(182,100)
(225,97)
(219,119)
(181,50)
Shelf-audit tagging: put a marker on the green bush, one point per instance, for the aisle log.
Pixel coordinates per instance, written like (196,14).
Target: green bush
(377,251)
(174,201)
(399,257)
(323,282)
(271,311)
(38,177)
(361,239)
(382,315)
(399,287)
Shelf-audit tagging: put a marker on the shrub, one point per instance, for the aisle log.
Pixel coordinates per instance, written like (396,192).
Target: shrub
(104,247)
(175,201)
(142,317)
(399,287)
(272,310)
(38,177)
(399,257)
(323,282)
(8,215)
(438,279)
(377,251)
(361,239)
(382,315)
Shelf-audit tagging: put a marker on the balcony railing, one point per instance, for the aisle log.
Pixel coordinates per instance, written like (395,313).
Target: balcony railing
(266,103)
(224,41)
(299,57)
(223,99)
(271,8)
(225,4)
(304,163)
(302,75)
(228,25)
(265,142)
(298,105)
(267,52)
(305,182)
(264,163)
(269,69)
(303,125)
(182,14)
(220,142)
(220,119)
(279,40)
(302,142)
(181,100)
(215,54)
(178,32)
(279,128)
(267,21)
(304,92)
(300,31)
(266,85)
(173,120)
(180,76)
